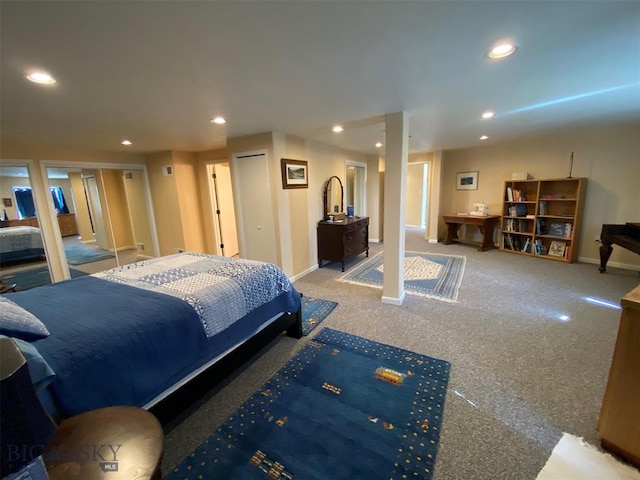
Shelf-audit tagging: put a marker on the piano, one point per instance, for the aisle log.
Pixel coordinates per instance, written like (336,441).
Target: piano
(627,236)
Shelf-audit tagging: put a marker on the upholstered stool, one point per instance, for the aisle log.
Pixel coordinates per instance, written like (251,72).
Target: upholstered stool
(113,443)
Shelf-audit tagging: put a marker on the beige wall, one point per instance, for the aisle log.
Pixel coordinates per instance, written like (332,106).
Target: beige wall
(113,199)
(164,193)
(137,204)
(608,156)
(188,196)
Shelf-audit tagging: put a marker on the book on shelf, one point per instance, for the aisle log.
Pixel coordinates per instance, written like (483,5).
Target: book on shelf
(542,207)
(539,248)
(526,245)
(509,194)
(556,248)
(556,229)
(521,210)
(568,228)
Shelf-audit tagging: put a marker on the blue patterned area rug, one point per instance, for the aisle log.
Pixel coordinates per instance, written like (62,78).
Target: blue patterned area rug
(425,274)
(34,277)
(344,408)
(314,311)
(80,256)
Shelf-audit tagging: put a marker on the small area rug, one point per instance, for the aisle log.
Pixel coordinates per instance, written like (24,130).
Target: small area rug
(344,408)
(34,277)
(314,311)
(425,274)
(80,256)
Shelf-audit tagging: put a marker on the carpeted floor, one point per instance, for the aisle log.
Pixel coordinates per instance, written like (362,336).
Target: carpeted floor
(79,255)
(314,311)
(425,274)
(530,342)
(343,408)
(34,277)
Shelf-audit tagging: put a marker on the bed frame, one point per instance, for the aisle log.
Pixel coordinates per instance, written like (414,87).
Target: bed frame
(175,404)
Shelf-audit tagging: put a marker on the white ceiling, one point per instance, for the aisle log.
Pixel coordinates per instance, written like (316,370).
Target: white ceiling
(156,72)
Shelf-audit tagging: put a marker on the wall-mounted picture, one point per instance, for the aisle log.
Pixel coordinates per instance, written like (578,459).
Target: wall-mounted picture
(295,173)
(6,202)
(467,181)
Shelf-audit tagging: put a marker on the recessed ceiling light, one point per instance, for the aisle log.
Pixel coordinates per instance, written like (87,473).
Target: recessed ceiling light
(126,142)
(483,137)
(501,51)
(378,145)
(488,115)
(40,77)
(337,129)
(218,120)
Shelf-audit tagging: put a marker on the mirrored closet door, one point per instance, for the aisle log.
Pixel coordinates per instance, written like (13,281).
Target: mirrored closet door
(23,263)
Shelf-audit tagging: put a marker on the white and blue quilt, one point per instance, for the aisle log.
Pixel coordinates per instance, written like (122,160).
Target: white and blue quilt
(221,290)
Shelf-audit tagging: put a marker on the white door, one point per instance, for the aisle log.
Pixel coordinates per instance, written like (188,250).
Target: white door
(96,212)
(224,210)
(256,226)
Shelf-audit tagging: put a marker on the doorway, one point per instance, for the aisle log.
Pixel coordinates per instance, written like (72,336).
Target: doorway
(224,214)
(356,187)
(417,195)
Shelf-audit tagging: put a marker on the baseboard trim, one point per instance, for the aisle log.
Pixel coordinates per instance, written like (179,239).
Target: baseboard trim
(433,240)
(306,272)
(374,240)
(393,300)
(624,266)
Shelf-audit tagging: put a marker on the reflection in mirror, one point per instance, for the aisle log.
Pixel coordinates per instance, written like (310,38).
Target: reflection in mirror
(23,263)
(333,194)
(355,186)
(107,223)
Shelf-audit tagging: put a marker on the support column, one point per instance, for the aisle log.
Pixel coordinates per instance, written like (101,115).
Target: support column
(395,183)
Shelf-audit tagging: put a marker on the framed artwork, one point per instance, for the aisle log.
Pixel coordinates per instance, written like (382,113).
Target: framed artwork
(467,181)
(295,173)
(6,202)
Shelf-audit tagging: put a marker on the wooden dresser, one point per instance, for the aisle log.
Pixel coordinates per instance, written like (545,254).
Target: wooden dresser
(66,221)
(619,424)
(341,241)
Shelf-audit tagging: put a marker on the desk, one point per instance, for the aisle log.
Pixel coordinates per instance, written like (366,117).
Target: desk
(486,225)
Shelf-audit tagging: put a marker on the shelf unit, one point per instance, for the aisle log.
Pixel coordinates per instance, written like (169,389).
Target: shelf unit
(542,218)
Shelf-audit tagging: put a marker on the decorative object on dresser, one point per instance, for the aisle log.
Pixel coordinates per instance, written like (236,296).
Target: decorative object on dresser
(542,217)
(341,240)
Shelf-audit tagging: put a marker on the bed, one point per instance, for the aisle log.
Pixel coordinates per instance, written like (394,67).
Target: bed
(134,334)
(20,243)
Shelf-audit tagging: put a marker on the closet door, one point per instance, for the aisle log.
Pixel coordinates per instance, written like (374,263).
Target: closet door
(254,207)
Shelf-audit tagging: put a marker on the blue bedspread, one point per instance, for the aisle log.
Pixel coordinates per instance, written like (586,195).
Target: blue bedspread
(113,344)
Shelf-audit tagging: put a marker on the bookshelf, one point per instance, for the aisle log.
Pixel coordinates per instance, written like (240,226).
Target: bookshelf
(542,218)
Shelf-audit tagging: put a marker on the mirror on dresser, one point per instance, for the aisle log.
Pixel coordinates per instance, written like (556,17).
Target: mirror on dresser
(340,238)
(333,197)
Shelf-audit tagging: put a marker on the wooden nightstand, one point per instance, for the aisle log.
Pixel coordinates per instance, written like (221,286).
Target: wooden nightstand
(113,443)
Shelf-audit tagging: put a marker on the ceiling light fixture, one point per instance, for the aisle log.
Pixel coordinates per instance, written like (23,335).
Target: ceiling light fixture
(41,77)
(483,137)
(126,142)
(488,114)
(378,145)
(218,120)
(337,129)
(501,51)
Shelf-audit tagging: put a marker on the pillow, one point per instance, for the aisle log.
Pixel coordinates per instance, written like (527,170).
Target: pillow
(39,370)
(16,322)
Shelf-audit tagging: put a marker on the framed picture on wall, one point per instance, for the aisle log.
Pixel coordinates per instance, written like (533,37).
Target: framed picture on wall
(467,181)
(6,202)
(295,173)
